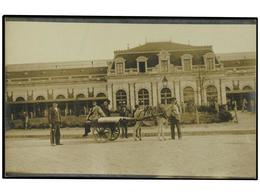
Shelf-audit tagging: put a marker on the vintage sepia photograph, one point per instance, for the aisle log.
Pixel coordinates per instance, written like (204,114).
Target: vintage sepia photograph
(130,97)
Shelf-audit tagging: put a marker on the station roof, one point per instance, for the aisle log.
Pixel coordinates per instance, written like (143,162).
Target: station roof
(151,50)
(57,72)
(158,46)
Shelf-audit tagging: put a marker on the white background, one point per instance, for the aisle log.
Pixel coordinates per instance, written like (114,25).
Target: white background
(220,8)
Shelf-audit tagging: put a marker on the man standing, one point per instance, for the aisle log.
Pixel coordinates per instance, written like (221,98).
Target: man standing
(105,108)
(138,115)
(124,113)
(25,120)
(55,122)
(174,118)
(244,105)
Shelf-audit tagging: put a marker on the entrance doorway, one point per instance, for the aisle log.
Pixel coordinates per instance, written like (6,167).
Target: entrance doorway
(239,97)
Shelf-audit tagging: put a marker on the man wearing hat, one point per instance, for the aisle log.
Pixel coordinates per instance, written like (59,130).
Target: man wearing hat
(124,113)
(55,122)
(105,108)
(94,114)
(173,113)
(139,115)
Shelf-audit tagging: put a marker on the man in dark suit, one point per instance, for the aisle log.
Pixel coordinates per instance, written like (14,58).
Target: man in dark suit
(124,113)
(55,122)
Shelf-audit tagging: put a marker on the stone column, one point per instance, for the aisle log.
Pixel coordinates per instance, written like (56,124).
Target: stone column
(204,96)
(154,93)
(110,96)
(132,102)
(223,93)
(219,93)
(178,91)
(198,93)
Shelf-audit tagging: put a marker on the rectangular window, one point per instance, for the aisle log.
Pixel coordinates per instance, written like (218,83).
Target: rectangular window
(210,64)
(164,64)
(142,67)
(187,64)
(119,68)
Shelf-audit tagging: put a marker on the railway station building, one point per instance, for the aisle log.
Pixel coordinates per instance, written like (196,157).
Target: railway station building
(149,74)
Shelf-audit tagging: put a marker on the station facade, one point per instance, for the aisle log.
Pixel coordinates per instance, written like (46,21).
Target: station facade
(149,74)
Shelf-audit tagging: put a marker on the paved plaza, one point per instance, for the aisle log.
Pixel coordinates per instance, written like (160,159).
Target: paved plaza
(205,156)
(223,150)
(246,125)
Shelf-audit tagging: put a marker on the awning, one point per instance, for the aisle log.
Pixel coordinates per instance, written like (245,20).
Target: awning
(240,91)
(59,100)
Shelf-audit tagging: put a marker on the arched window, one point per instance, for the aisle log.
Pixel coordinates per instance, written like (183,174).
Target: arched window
(212,94)
(101,95)
(20,99)
(188,95)
(60,97)
(247,88)
(143,97)
(40,98)
(80,96)
(121,98)
(166,94)
(228,89)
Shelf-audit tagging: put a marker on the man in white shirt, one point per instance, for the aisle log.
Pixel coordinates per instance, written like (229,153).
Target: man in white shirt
(173,113)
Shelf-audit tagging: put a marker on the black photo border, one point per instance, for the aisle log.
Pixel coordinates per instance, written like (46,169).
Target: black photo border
(120,19)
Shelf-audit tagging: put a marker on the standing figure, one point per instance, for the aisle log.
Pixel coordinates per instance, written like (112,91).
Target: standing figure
(25,120)
(138,115)
(105,108)
(55,122)
(136,107)
(244,105)
(88,122)
(162,121)
(174,118)
(216,106)
(124,112)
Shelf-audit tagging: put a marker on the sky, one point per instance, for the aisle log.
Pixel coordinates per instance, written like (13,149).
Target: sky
(35,42)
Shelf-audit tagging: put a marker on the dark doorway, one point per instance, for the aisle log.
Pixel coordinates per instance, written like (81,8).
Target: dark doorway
(239,97)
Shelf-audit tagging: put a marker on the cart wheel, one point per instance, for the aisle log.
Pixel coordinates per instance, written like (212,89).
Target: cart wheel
(101,134)
(115,133)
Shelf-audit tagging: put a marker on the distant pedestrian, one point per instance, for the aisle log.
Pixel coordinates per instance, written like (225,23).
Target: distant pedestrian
(216,106)
(25,120)
(244,105)
(105,107)
(55,123)
(173,114)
